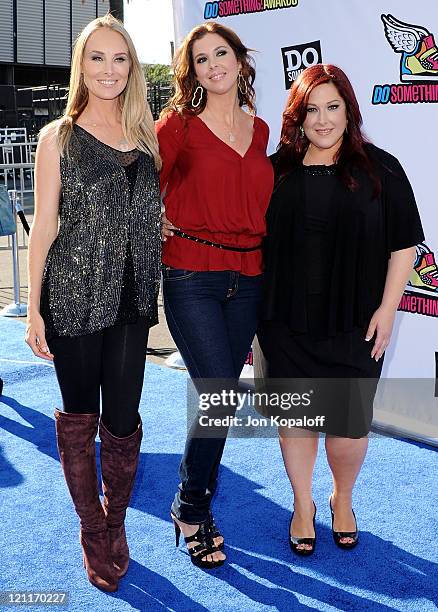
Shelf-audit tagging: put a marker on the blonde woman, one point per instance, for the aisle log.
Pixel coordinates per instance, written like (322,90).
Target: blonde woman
(94,280)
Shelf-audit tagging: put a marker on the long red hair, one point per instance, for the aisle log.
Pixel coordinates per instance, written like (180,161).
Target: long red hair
(293,145)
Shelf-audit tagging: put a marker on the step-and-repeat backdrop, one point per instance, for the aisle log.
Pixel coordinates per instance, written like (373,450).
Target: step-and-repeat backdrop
(389,51)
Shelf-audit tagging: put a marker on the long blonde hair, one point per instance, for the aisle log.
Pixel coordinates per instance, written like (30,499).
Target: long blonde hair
(137,121)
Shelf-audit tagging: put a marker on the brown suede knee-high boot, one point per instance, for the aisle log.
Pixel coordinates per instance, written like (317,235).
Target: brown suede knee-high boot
(119,460)
(76,435)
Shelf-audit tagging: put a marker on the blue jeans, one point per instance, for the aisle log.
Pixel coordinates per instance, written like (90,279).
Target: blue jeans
(212,317)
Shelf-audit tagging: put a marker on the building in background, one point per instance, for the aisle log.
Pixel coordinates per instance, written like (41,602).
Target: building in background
(36,37)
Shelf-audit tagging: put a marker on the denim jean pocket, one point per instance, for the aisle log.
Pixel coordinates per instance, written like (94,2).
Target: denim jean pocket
(175,274)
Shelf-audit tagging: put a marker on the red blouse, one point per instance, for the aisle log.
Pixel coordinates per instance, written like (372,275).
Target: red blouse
(213,193)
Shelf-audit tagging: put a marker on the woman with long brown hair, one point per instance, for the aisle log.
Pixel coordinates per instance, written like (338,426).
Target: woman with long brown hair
(93,281)
(342,228)
(217,181)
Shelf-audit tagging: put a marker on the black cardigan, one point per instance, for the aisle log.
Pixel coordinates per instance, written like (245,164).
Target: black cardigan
(364,231)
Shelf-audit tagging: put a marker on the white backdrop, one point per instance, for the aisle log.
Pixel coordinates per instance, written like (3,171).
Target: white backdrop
(352,36)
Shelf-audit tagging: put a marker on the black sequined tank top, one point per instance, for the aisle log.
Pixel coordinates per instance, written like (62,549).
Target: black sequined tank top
(128,305)
(104,266)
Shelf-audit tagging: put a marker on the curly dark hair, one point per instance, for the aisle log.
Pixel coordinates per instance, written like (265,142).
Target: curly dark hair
(185,81)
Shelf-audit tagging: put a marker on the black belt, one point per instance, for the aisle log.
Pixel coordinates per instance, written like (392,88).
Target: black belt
(216,244)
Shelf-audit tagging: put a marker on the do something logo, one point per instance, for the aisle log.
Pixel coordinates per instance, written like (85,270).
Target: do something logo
(299,57)
(418,64)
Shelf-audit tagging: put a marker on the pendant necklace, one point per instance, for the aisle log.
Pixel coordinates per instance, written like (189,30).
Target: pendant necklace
(122,144)
(229,132)
(231,136)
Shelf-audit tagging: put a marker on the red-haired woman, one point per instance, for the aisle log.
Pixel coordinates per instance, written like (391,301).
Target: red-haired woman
(342,228)
(218,183)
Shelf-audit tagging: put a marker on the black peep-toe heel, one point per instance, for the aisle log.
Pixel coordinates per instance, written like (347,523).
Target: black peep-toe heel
(295,542)
(339,535)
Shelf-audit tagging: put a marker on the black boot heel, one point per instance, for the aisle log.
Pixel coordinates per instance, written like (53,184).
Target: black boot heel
(339,535)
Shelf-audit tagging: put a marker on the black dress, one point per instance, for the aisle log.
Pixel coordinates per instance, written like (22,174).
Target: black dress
(315,315)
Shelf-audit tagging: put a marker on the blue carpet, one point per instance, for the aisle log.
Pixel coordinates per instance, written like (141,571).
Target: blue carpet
(393,568)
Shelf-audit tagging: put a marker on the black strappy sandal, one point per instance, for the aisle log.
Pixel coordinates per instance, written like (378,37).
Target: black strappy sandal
(215,533)
(339,535)
(205,545)
(295,542)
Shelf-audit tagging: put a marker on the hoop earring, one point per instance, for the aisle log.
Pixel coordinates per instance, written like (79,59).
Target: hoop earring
(242,85)
(199,91)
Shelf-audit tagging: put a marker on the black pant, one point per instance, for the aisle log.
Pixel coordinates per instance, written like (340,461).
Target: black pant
(111,362)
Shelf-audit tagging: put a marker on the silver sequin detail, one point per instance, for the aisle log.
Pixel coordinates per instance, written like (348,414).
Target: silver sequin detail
(317,170)
(83,275)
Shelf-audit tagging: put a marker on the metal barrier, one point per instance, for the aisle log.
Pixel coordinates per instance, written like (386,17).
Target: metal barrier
(17,308)
(17,174)
(17,152)
(13,134)
(158,96)
(20,178)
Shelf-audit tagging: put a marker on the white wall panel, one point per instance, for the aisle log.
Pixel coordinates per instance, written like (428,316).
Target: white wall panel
(6,31)
(30,35)
(102,7)
(57,32)
(83,11)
